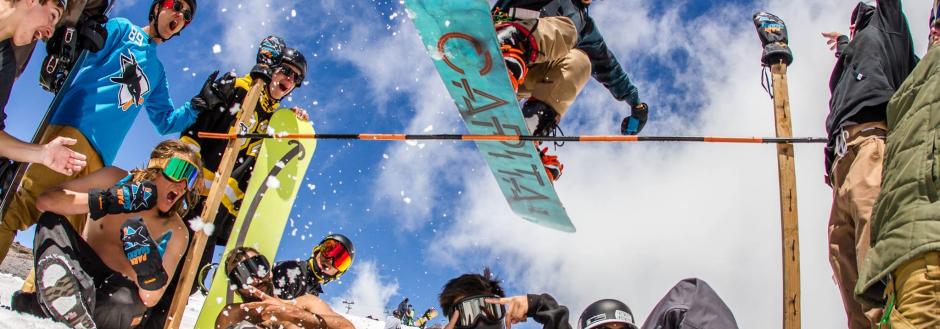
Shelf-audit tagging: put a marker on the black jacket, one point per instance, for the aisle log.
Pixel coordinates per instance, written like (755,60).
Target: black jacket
(546,311)
(869,69)
(604,66)
(293,279)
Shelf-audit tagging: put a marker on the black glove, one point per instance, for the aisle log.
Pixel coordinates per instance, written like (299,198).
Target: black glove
(634,123)
(92,34)
(125,198)
(772,32)
(263,72)
(216,94)
(143,254)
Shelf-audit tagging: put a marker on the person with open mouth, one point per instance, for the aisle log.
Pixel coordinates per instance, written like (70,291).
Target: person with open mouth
(23,22)
(119,267)
(99,103)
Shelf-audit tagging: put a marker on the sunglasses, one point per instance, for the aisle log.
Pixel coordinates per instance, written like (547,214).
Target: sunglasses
(290,73)
(177,6)
(177,170)
(250,271)
(335,253)
(474,310)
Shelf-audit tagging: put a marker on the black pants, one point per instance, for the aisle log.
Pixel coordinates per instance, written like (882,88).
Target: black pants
(117,300)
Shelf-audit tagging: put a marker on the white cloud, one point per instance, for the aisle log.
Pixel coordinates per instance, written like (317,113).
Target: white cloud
(368,291)
(649,215)
(391,55)
(246,23)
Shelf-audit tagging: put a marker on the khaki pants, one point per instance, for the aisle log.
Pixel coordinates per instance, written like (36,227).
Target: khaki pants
(856,182)
(916,288)
(21,213)
(560,71)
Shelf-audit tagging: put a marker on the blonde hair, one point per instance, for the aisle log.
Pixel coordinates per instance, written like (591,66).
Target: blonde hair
(165,150)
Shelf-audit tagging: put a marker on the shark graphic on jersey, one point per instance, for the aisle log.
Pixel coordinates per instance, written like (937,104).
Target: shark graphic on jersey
(134,82)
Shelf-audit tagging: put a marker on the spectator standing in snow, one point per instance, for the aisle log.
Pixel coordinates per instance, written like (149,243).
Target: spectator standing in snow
(24,22)
(902,269)
(872,62)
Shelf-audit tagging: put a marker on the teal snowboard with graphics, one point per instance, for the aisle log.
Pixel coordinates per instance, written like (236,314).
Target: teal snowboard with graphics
(461,40)
(278,174)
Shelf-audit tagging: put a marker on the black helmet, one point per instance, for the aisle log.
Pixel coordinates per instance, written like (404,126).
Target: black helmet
(296,58)
(340,261)
(606,311)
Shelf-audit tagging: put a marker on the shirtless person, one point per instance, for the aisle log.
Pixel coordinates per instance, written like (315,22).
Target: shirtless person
(119,266)
(251,272)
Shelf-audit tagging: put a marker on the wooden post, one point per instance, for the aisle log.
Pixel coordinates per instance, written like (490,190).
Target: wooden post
(788,211)
(190,267)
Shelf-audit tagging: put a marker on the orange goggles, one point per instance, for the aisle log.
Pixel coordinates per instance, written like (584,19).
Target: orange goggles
(337,254)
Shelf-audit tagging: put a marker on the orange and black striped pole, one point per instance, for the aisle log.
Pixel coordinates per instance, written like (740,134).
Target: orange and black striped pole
(515,138)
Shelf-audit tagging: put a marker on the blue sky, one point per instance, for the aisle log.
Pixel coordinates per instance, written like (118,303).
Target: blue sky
(420,213)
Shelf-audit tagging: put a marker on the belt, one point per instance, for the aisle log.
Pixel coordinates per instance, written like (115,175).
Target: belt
(847,134)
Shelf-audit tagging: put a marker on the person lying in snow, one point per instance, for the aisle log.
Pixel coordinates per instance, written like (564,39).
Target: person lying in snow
(251,273)
(109,275)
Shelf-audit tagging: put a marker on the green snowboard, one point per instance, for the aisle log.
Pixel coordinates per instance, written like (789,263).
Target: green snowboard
(277,176)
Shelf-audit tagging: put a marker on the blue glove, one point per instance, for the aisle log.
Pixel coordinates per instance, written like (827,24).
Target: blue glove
(634,123)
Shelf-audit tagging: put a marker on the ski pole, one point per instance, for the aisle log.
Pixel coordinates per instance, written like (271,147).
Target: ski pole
(515,138)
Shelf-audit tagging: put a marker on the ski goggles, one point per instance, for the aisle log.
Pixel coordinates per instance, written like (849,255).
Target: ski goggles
(475,312)
(335,253)
(177,6)
(250,271)
(176,170)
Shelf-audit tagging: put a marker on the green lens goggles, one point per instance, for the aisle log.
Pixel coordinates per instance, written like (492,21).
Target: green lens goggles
(177,170)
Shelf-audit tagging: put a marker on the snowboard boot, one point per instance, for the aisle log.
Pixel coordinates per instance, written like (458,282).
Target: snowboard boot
(540,118)
(143,254)
(65,293)
(518,49)
(552,166)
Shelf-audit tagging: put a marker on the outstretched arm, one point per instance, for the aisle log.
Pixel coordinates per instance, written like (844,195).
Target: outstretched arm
(71,197)
(306,312)
(604,65)
(55,154)
(164,117)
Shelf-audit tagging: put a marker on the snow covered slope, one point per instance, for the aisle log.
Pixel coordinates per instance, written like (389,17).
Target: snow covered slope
(10,319)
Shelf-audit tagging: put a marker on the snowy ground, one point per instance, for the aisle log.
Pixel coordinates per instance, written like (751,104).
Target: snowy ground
(10,319)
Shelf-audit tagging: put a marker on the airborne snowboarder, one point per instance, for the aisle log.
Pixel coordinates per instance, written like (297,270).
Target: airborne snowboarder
(551,47)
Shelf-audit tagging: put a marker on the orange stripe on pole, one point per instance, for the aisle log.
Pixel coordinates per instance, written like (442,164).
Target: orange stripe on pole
(383,137)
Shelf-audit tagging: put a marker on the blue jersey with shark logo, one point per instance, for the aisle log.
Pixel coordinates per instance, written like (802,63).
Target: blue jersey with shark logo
(112,85)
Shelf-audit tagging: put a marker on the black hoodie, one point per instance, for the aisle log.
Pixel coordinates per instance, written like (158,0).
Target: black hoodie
(869,69)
